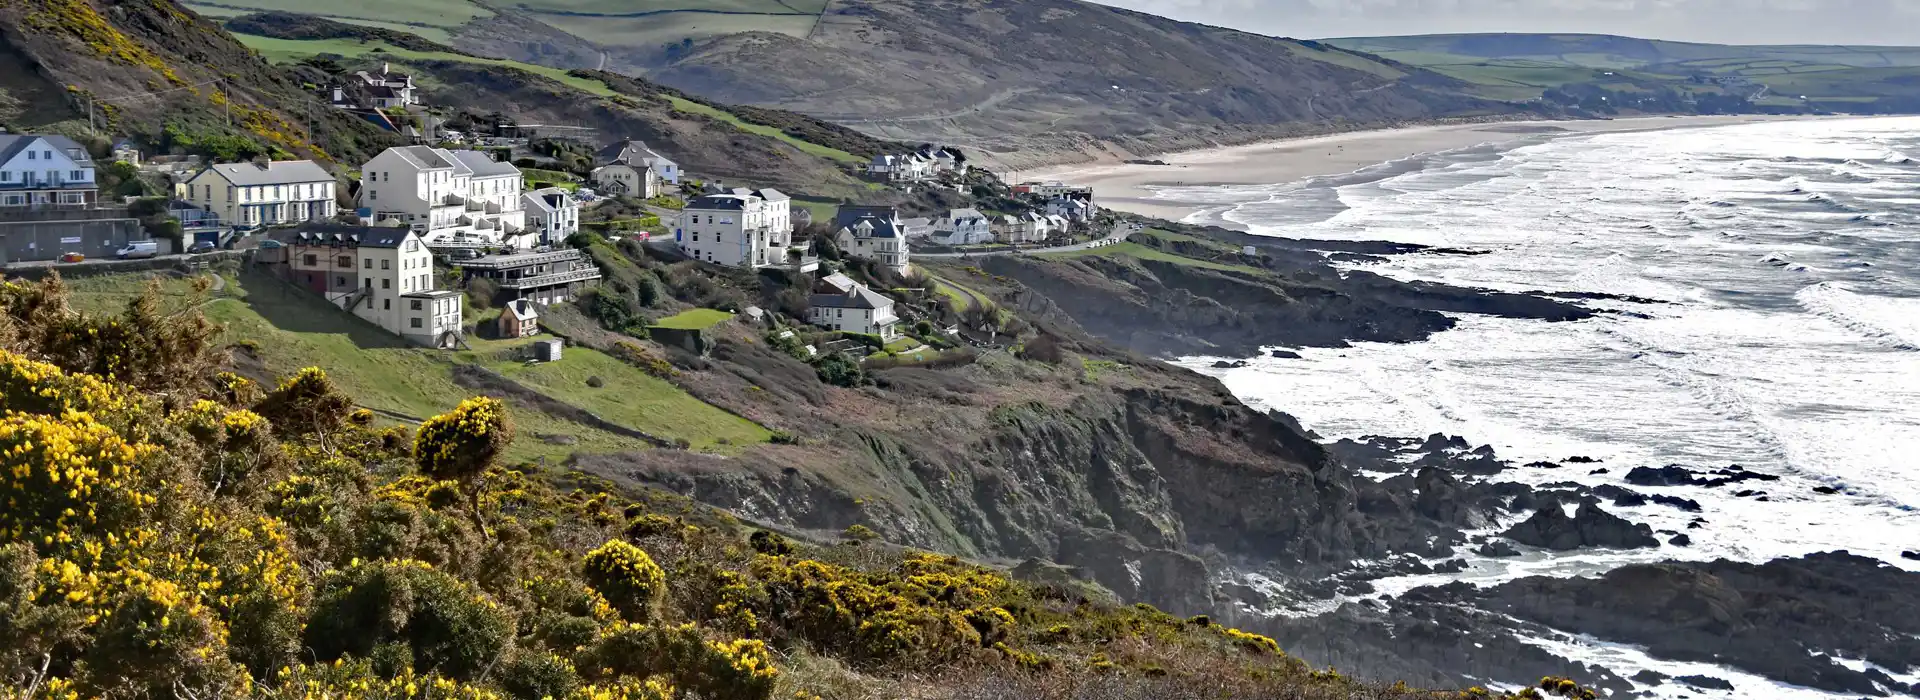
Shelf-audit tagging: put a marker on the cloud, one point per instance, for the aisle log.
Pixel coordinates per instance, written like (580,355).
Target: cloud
(1725,21)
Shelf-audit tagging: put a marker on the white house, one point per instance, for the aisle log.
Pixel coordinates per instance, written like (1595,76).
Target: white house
(383,274)
(1038,227)
(874,237)
(919,227)
(638,153)
(1076,210)
(262,193)
(453,199)
(1053,188)
(126,151)
(908,167)
(552,214)
(856,310)
(625,179)
(963,227)
(750,228)
(389,89)
(45,171)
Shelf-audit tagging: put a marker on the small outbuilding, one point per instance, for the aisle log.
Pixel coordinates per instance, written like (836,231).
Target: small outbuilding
(547,350)
(520,318)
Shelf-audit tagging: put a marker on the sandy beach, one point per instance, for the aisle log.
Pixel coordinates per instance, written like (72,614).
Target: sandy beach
(1126,186)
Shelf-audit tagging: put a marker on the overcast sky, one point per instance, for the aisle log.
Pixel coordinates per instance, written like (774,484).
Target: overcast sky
(1890,22)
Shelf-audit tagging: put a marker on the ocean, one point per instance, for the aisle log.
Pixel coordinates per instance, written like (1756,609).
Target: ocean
(1776,272)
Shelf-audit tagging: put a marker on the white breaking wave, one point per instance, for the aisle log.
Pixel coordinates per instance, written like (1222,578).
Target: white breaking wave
(1895,322)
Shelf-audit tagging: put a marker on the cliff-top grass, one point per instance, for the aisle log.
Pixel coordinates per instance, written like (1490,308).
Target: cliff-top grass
(694,320)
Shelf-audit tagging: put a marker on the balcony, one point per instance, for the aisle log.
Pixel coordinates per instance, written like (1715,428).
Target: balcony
(551,279)
(41,183)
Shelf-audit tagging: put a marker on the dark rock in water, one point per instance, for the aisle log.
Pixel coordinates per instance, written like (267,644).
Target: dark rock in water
(1497,548)
(1285,355)
(1648,677)
(1145,161)
(1451,566)
(1705,682)
(1746,493)
(1676,475)
(1589,526)
(1620,497)
(1542,465)
(1825,490)
(1681,541)
(1759,618)
(1910,554)
(1599,471)
(1581,459)
(1223,364)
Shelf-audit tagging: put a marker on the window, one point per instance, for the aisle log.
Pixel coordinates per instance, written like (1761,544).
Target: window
(77,175)
(310,260)
(31,156)
(383,264)
(367,263)
(6,176)
(339,281)
(369,284)
(416,322)
(386,305)
(344,261)
(415,304)
(386,284)
(372,194)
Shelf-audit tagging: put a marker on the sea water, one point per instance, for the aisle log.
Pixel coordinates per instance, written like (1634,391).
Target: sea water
(1780,267)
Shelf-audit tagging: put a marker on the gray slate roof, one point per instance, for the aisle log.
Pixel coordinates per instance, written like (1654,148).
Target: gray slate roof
(483,165)
(423,156)
(13,144)
(279,172)
(631,153)
(859,298)
(959,214)
(719,202)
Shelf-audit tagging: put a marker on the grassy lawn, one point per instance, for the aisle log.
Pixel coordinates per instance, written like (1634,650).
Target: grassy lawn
(555,176)
(293,330)
(438,13)
(633,398)
(823,212)
(1135,250)
(615,7)
(963,298)
(902,345)
(692,107)
(653,31)
(290,50)
(694,320)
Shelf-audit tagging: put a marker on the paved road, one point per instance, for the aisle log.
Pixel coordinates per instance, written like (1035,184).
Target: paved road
(1120,233)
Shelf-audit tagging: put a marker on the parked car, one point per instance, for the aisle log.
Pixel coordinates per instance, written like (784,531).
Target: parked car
(138,249)
(72,258)
(201,247)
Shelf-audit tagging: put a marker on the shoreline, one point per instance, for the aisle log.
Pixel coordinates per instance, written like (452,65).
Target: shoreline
(1130,187)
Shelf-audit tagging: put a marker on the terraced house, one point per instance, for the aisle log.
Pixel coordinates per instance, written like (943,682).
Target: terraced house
(383,274)
(262,193)
(452,199)
(45,171)
(747,228)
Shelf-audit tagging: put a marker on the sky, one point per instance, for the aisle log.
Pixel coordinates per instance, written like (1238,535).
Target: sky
(1886,22)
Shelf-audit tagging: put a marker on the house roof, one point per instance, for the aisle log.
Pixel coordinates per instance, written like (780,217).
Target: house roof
(522,309)
(916,223)
(959,214)
(424,156)
(547,198)
(720,202)
(859,298)
(13,144)
(631,152)
(279,172)
(384,237)
(322,233)
(838,281)
(483,165)
(123,142)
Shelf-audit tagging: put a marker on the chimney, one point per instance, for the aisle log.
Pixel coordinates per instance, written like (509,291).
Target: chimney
(386,68)
(262,162)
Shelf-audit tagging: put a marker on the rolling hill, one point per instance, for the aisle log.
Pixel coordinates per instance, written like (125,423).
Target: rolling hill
(1018,82)
(1832,78)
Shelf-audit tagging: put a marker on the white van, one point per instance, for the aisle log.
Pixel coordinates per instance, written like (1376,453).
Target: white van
(139,249)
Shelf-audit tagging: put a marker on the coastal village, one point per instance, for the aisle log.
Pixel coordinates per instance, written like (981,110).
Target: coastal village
(409,238)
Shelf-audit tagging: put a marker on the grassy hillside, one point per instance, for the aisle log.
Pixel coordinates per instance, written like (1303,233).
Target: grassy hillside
(278,330)
(1856,78)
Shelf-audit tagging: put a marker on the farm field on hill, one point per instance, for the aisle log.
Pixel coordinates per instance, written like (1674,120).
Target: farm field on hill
(445,14)
(290,50)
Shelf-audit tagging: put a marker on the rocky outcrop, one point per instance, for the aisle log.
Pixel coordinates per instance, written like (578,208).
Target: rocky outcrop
(1785,619)
(1676,475)
(1589,526)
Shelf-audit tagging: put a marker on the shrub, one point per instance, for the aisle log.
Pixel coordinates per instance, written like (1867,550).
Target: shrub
(837,370)
(738,669)
(461,444)
(442,622)
(536,675)
(627,577)
(305,404)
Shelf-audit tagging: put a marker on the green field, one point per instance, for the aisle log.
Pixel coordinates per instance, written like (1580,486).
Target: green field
(691,107)
(291,50)
(400,13)
(292,330)
(694,320)
(660,30)
(630,397)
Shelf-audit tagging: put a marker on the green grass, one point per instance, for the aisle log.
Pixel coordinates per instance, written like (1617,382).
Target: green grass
(633,398)
(437,13)
(901,345)
(962,297)
(654,31)
(1137,251)
(614,7)
(293,330)
(291,50)
(694,320)
(1342,58)
(691,107)
(823,211)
